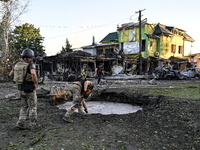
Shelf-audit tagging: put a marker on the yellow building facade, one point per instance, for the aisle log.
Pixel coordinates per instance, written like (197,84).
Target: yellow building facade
(157,40)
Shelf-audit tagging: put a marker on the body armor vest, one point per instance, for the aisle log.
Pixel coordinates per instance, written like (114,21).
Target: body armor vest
(20,72)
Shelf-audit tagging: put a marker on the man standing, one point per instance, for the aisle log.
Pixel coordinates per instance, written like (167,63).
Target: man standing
(99,72)
(79,92)
(28,100)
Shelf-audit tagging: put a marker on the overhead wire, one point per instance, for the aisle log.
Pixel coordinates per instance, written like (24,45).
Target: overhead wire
(120,22)
(88,29)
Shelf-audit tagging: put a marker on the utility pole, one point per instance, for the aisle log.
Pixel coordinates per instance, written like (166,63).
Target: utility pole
(140,40)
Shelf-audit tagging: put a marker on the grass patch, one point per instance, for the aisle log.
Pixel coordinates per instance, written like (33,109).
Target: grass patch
(192,86)
(181,93)
(190,91)
(133,89)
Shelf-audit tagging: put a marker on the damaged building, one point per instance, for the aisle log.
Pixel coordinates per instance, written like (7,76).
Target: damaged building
(160,44)
(119,52)
(107,52)
(68,67)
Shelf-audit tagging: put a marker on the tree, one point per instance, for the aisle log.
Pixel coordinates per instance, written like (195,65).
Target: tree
(11,10)
(27,36)
(67,47)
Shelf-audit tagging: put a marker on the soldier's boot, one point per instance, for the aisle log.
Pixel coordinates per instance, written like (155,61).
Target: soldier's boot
(20,126)
(82,113)
(67,119)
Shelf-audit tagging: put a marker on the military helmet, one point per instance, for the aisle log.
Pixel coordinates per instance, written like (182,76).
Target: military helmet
(27,53)
(91,85)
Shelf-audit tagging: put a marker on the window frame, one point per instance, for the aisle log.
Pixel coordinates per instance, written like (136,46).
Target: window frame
(100,51)
(180,49)
(109,51)
(173,48)
(143,45)
(151,45)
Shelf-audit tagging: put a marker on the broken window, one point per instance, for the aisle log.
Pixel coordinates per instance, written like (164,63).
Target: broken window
(173,48)
(90,66)
(108,51)
(151,45)
(100,52)
(143,45)
(122,45)
(180,49)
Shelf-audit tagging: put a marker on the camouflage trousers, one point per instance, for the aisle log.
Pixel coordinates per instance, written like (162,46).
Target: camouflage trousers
(28,108)
(76,92)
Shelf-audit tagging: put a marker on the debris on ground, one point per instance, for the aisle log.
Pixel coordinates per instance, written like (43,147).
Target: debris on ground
(170,118)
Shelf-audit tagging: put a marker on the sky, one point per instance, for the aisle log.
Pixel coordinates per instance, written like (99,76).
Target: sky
(80,20)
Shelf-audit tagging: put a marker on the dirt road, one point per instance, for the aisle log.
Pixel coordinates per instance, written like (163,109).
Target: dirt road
(170,120)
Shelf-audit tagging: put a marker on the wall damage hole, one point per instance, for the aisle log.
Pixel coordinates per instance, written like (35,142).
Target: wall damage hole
(105,108)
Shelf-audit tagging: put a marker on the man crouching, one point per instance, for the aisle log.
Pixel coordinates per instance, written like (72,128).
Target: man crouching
(79,91)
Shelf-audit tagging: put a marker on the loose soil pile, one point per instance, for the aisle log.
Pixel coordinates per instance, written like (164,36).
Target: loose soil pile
(170,120)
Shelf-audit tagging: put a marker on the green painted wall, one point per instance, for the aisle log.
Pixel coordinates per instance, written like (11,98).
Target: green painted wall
(119,39)
(144,37)
(154,49)
(162,45)
(147,29)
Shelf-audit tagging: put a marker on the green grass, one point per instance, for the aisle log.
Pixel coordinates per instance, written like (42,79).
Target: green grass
(189,91)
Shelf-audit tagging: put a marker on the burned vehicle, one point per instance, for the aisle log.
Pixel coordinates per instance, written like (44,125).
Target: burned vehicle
(191,73)
(166,73)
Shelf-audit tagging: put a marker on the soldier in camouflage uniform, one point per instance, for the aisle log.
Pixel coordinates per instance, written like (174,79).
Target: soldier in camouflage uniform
(28,100)
(79,91)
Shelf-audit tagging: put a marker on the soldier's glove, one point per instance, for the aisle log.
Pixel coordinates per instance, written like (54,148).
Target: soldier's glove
(85,95)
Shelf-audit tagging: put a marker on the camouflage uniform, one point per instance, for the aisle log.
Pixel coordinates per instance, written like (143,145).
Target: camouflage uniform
(76,91)
(29,106)
(28,102)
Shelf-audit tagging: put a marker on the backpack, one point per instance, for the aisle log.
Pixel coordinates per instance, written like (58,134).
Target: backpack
(20,71)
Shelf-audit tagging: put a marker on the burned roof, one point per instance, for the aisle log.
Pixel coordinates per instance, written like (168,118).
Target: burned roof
(70,55)
(76,53)
(161,29)
(170,30)
(188,38)
(152,36)
(99,45)
(132,24)
(89,46)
